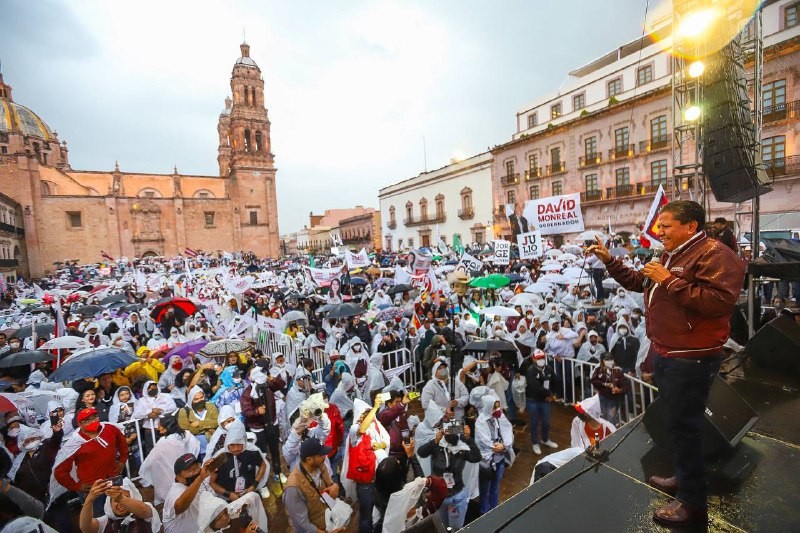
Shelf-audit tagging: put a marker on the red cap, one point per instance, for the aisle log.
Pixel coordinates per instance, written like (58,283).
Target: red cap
(83,414)
(538,354)
(578,407)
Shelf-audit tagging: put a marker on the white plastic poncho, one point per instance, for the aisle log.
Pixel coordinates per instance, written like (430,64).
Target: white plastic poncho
(127,484)
(158,468)
(377,433)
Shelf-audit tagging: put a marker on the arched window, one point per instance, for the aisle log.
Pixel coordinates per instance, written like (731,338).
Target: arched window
(45,188)
(423,209)
(409,211)
(203,193)
(259,146)
(253,96)
(439,206)
(149,193)
(246,140)
(391,214)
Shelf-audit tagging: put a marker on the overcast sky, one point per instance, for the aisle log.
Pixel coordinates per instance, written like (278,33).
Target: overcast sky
(351,87)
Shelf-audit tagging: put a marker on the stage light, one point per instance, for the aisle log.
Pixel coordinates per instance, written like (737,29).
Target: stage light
(695,24)
(692,113)
(696,69)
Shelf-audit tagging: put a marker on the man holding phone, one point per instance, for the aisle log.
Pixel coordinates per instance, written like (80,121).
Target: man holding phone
(395,419)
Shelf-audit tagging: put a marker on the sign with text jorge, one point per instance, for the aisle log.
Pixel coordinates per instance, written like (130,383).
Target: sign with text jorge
(502,252)
(530,245)
(555,214)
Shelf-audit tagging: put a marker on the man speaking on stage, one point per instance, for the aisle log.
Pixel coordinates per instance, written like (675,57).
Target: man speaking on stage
(689,297)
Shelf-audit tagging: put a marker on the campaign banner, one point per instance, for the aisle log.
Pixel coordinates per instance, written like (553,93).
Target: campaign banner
(270,324)
(419,262)
(323,276)
(530,245)
(469,264)
(550,216)
(502,252)
(357,260)
(239,285)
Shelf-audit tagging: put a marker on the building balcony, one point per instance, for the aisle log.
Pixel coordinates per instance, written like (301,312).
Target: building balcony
(620,191)
(783,165)
(10,228)
(782,111)
(533,173)
(500,212)
(392,224)
(650,188)
(8,263)
(655,144)
(418,221)
(591,195)
(466,213)
(511,179)
(558,167)
(590,160)
(621,152)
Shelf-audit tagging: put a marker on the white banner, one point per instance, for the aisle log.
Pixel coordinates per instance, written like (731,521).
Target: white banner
(555,214)
(336,239)
(239,285)
(502,252)
(418,262)
(469,263)
(359,260)
(270,324)
(323,276)
(530,245)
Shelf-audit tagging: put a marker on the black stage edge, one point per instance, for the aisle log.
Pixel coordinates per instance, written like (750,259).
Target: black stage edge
(754,488)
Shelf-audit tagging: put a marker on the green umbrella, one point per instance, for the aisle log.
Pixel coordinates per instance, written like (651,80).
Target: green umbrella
(492,281)
(643,251)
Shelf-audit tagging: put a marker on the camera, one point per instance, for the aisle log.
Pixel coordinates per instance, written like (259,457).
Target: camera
(116,481)
(454,427)
(54,419)
(244,517)
(406,434)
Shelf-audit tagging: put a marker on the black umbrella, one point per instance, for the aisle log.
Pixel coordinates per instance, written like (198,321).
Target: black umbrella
(130,308)
(114,298)
(42,330)
(39,310)
(402,287)
(489,345)
(89,310)
(25,358)
(346,310)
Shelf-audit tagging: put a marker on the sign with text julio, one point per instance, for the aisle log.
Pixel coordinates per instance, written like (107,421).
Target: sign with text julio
(530,245)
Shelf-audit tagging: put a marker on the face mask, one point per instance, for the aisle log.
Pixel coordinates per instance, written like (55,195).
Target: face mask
(177,366)
(540,363)
(190,479)
(14,345)
(452,440)
(152,393)
(623,331)
(237,380)
(357,348)
(199,406)
(609,363)
(92,427)
(31,445)
(13,432)
(498,413)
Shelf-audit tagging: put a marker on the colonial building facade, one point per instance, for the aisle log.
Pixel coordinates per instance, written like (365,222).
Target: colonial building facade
(608,134)
(74,214)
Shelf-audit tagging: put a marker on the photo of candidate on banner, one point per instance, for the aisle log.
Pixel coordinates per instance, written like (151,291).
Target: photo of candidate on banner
(518,221)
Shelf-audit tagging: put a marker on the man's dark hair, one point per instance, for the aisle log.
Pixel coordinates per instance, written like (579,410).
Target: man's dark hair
(686,211)
(720,220)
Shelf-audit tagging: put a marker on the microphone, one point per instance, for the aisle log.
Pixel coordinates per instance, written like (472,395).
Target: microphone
(648,281)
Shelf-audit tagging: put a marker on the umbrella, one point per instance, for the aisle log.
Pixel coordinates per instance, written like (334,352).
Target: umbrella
(67,342)
(183,308)
(380,282)
(567,257)
(574,272)
(114,298)
(579,281)
(643,251)
(10,401)
(573,249)
(42,330)
(346,310)
(525,299)
(224,347)
(358,281)
(401,287)
(489,345)
(130,308)
(492,281)
(619,252)
(553,252)
(539,288)
(551,267)
(514,278)
(590,235)
(183,350)
(295,316)
(610,283)
(25,358)
(390,313)
(444,269)
(93,363)
(89,310)
(498,310)
(555,278)
(38,310)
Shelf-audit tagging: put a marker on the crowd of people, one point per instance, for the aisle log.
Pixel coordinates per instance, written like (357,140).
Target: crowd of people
(211,423)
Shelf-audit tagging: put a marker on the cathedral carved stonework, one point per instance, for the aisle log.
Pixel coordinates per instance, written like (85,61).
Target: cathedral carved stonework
(146,221)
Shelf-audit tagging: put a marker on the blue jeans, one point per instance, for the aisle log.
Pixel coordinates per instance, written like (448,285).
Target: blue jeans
(597,278)
(539,411)
(609,407)
(454,509)
(683,386)
(366,500)
(490,489)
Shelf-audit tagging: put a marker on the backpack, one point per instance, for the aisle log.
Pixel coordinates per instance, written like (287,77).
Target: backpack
(360,371)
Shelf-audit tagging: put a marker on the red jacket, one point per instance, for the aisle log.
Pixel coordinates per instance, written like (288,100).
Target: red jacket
(688,315)
(95,459)
(336,435)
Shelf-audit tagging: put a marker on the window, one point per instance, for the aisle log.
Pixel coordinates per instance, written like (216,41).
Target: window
(479,237)
(511,197)
(658,172)
(644,75)
(254,218)
(591,182)
(509,169)
(532,120)
(74,219)
(534,192)
(3,149)
(773,95)
(658,129)
(623,177)
(558,188)
(423,209)
(259,146)
(555,156)
(555,110)
(578,101)
(246,140)
(791,15)
(590,148)
(411,242)
(391,215)
(202,195)
(439,209)
(209,218)
(774,149)
(409,211)
(614,87)
(621,140)
(533,163)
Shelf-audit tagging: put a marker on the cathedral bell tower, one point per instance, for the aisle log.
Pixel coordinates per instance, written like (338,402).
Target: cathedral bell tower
(246,159)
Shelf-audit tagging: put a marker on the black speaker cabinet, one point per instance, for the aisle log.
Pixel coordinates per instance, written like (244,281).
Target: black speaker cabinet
(728,418)
(429,524)
(777,345)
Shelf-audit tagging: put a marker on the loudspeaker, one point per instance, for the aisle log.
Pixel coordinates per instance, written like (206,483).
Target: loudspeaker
(430,524)
(728,418)
(777,345)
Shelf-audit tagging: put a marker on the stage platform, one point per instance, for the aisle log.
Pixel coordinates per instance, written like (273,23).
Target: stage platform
(756,488)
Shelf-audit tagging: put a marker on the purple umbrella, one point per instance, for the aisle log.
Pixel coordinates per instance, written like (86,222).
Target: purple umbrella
(183,350)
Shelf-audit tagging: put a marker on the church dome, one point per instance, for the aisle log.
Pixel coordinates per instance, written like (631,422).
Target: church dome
(16,118)
(245,60)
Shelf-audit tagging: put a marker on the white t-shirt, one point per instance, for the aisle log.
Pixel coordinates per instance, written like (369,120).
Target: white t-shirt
(184,522)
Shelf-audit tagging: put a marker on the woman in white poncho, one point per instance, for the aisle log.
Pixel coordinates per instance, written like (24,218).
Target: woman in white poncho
(158,468)
(377,434)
